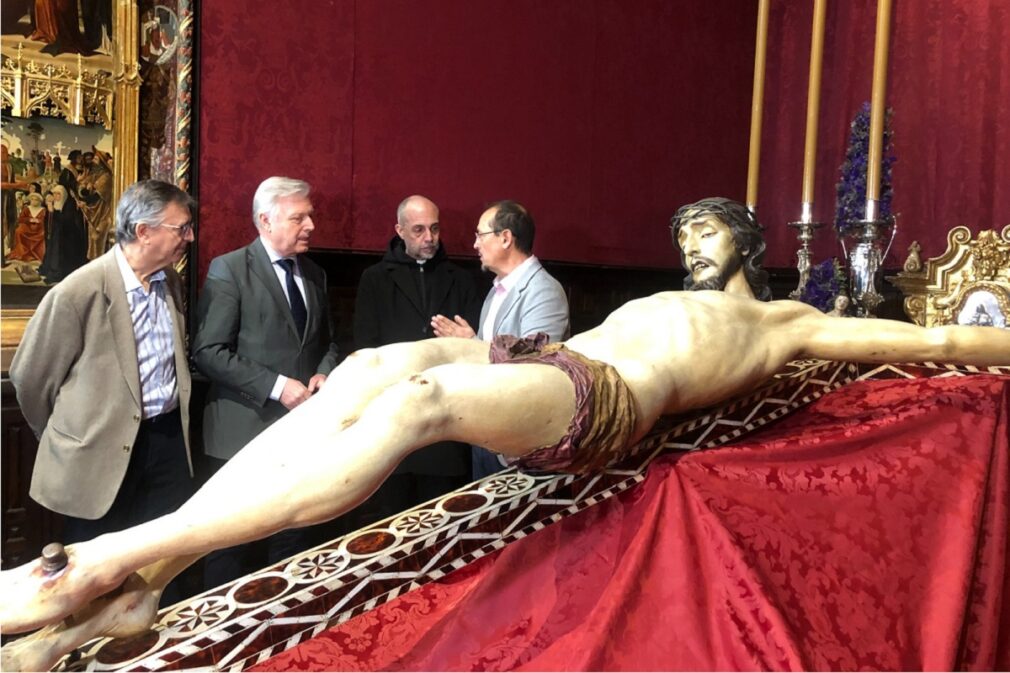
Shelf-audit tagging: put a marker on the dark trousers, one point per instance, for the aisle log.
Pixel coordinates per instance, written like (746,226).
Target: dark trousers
(485,463)
(157,482)
(224,565)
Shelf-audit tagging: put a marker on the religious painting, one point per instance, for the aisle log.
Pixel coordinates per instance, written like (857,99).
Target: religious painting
(984,308)
(57,205)
(65,78)
(166,70)
(60,27)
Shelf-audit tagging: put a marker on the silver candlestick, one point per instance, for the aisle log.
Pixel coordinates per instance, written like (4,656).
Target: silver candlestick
(805,233)
(865,260)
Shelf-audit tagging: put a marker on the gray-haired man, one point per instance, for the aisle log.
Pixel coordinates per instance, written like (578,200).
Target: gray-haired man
(102,374)
(264,338)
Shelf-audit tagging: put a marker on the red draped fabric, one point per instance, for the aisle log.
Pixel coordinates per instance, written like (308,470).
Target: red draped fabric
(868,531)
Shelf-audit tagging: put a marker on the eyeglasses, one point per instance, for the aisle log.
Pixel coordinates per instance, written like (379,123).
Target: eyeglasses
(481,234)
(183,229)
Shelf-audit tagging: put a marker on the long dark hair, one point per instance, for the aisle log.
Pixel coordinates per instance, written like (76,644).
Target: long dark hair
(748,235)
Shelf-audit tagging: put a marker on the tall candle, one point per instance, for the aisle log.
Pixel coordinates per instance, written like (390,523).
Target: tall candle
(757,104)
(873,168)
(813,108)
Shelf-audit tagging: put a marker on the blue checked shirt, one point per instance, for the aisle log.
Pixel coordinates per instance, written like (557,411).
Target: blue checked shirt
(152,328)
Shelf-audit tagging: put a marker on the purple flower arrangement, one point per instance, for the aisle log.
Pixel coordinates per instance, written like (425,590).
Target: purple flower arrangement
(827,281)
(850,202)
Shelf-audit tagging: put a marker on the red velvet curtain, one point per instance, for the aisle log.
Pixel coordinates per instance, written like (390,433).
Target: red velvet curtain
(602,116)
(868,531)
(949,86)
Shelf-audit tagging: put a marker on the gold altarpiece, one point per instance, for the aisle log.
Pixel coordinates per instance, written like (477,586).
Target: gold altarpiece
(32,85)
(967,284)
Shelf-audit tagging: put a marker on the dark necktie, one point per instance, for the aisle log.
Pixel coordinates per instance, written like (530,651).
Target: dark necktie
(298,311)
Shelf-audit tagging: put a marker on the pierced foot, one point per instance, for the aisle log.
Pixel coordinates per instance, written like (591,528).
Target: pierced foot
(123,612)
(34,597)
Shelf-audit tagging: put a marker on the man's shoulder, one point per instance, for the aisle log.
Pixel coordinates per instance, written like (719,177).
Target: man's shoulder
(233,257)
(448,268)
(233,265)
(377,270)
(85,280)
(539,278)
(451,266)
(83,291)
(309,265)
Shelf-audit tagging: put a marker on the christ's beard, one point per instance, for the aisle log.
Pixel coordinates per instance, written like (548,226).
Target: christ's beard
(718,280)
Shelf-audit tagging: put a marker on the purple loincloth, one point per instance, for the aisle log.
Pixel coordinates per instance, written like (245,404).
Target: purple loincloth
(605,415)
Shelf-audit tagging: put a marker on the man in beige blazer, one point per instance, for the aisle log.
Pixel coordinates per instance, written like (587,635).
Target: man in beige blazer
(102,376)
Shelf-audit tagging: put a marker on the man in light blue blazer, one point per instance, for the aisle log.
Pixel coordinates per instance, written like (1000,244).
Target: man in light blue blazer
(524,298)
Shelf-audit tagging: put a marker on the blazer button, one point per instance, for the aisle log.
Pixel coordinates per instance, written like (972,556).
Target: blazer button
(126,448)
(136,417)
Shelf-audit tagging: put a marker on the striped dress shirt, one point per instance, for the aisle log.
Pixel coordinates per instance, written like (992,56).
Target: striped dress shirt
(152,329)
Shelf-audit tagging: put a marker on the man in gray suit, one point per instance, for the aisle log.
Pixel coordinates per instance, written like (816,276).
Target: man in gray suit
(265,340)
(524,298)
(102,375)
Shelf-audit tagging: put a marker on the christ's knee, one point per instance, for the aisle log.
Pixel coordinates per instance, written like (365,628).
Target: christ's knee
(363,358)
(419,403)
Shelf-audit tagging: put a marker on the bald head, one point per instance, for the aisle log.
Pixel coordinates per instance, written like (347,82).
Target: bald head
(414,203)
(417,225)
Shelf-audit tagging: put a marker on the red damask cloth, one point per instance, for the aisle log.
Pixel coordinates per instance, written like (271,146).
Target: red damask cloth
(867,531)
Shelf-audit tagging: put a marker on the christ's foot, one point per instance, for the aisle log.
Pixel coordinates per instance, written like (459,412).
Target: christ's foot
(123,612)
(34,597)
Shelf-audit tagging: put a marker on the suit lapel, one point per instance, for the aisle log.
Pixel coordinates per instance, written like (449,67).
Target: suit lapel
(315,298)
(483,313)
(512,298)
(118,312)
(259,263)
(174,297)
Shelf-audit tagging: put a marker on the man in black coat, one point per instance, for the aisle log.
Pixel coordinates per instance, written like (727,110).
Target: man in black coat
(396,300)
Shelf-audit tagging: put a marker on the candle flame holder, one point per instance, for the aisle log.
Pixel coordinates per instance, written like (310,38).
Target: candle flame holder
(865,258)
(805,234)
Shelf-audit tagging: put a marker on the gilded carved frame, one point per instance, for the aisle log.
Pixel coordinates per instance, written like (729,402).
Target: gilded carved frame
(939,291)
(79,95)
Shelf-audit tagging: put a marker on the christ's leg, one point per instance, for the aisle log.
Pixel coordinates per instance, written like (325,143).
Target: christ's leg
(364,374)
(126,611)
(305,469)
